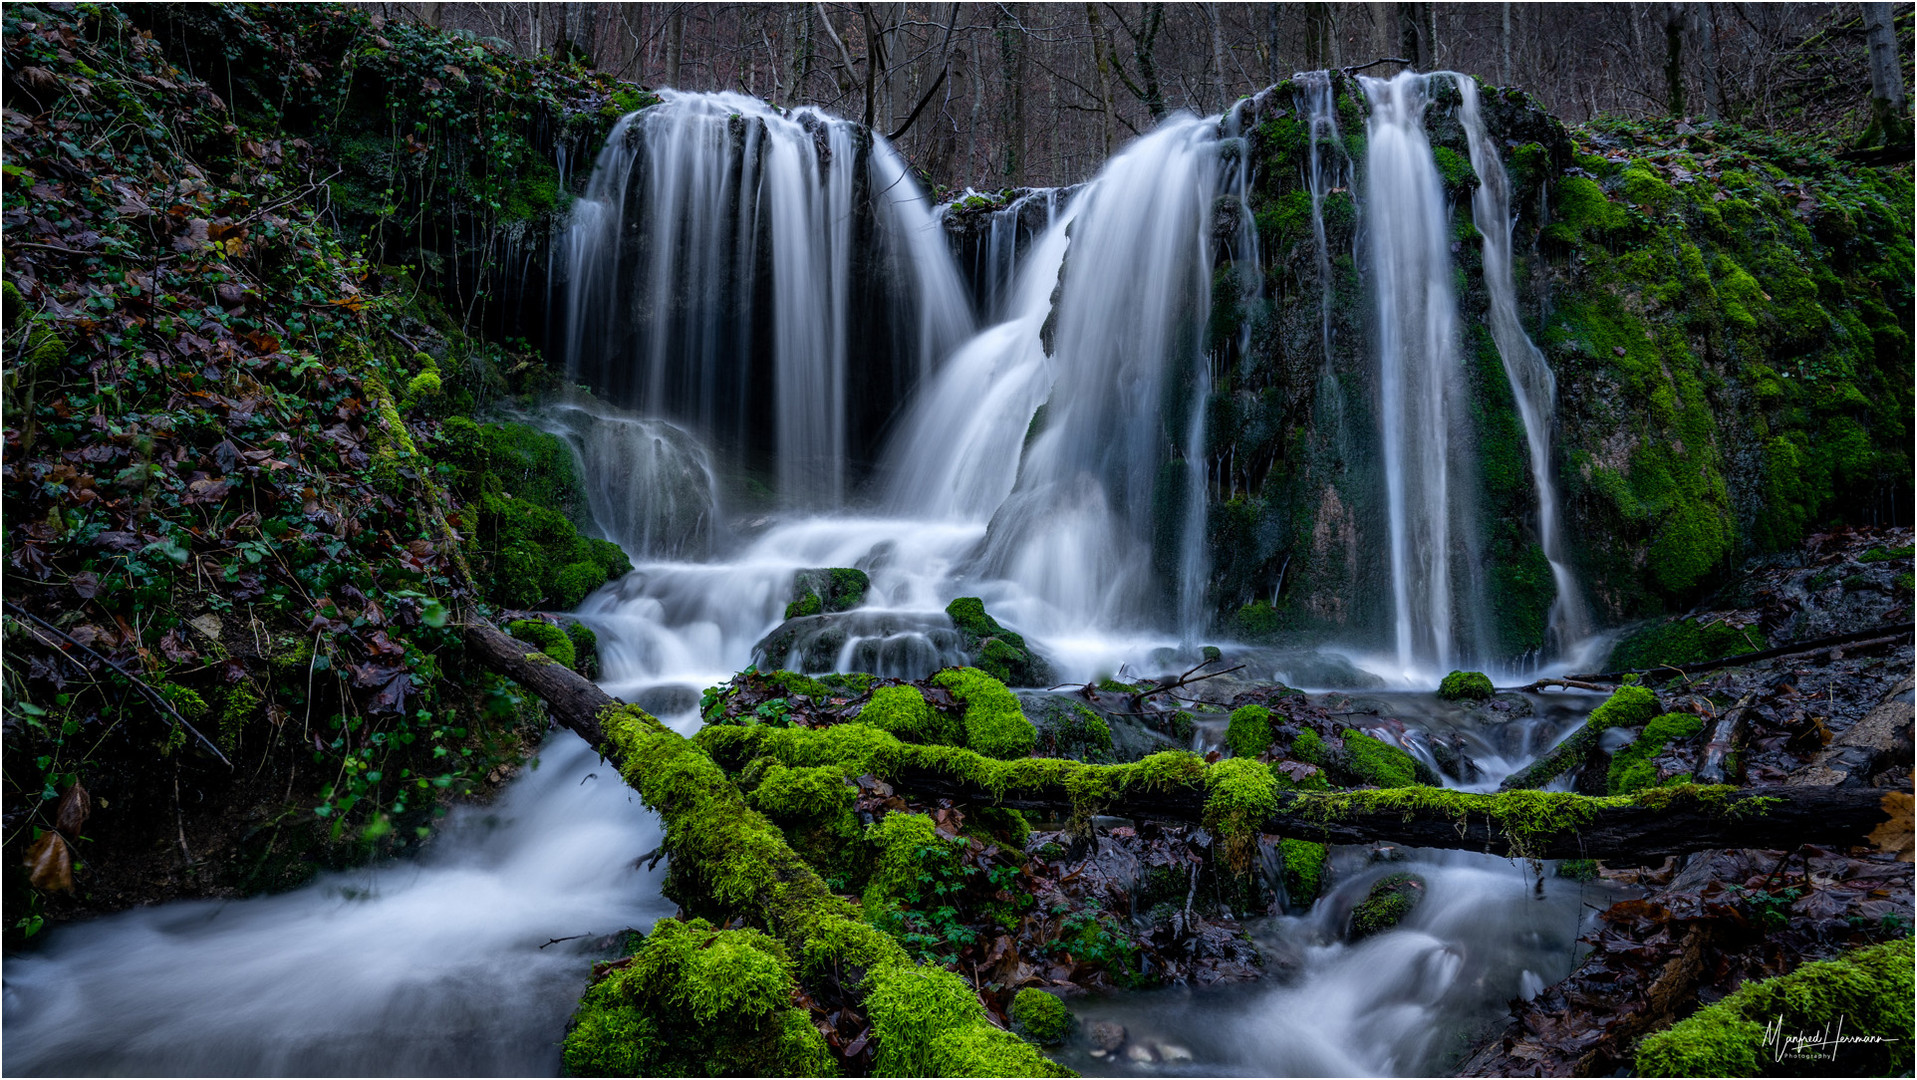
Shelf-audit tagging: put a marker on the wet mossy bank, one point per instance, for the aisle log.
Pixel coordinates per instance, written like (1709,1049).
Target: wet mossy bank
(1727,314)
(257,461)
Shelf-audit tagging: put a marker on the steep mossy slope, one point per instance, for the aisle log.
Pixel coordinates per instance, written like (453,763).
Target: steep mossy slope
(249,485)
(1728,315)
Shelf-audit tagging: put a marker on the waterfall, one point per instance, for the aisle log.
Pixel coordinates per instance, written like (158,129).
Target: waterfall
(650,486)
(730,266)
(1409,238)
(1532,382)
(1319,104)
(1077,532)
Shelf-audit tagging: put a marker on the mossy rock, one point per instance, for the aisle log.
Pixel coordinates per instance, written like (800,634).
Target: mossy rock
(1366,761)
(585,648)
(697,1001)
(1068,729)
(1868,991)
(1041,1017)
(1389,902)
(830,590)
(1466,686)
(1248,733)
(995,650)
(1304,870)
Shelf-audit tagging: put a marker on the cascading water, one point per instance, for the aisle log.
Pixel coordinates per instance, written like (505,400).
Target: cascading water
(650,486)
(1076,533)
(1532,382)
(1408,232)
(714,269)
(1318,103)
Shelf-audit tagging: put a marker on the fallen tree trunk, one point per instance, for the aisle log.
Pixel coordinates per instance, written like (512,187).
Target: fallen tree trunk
(729,861)
(1180,787)
(1546,825)
(1856,639)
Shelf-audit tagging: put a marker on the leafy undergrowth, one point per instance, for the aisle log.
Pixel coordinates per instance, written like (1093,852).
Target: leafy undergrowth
(234,500)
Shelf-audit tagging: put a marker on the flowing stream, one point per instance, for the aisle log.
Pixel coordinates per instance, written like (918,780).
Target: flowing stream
(789,375)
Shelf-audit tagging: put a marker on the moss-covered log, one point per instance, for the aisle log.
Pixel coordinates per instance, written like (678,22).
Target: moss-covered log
(1237,795)
(928,1022)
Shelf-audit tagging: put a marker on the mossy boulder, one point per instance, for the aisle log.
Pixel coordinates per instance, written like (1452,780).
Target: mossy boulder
(1365,761)
(1068,729)
(1867,991)
(1466,686)
(695,1000)
(995,650)
(819,592)
(1390,900)
(1248,733)
(1041,1017)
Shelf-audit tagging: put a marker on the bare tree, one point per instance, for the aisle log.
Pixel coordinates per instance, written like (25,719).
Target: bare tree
(1886,75)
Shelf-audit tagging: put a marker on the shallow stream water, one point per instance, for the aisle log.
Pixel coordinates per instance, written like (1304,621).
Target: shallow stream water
(430,967)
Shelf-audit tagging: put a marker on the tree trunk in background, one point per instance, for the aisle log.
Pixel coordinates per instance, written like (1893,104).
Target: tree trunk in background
(1318,36)
(1102,64)
(1011,55)
(675,45)
(1145,51)
(1674,59)
(1504,42)
(1431,34)
(1707,58)
(1217,56)
(1886,75)
(1411,33)
(1272,70)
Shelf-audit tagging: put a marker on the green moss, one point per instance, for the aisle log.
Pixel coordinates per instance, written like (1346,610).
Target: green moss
(1683,640)
(1643,186)
(835,589)
(1040,1017)
(1308,747)
(1628,706)
(698,1001)
(1248,733)
(1578,869)
(585,648)
(1304,870)
(994,724)
(903,711)
(997,651)
(725,856)
(423,386)
(1581,209)
(930,1023)
(1632,768)
(1240,796)
(546,637)
(1466,686)
(1456,170)
(1368,761)
(1867,991)
(1390,900)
